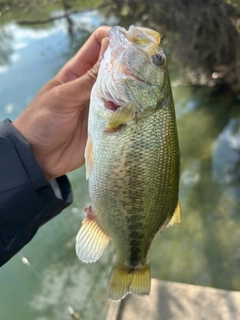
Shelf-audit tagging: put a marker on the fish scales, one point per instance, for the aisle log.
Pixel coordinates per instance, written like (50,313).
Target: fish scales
(142,183)
(133,167)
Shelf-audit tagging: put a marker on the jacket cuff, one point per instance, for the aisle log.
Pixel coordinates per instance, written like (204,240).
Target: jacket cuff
(27,199)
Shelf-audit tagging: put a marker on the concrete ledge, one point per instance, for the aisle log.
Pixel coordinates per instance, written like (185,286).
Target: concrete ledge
(174,301)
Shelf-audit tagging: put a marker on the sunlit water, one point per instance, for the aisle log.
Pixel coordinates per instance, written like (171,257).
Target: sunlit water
(46,280)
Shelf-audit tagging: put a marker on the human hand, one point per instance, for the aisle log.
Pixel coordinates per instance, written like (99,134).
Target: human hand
(55,122)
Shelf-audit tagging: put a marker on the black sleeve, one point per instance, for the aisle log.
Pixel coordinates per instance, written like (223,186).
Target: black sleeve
(27,200)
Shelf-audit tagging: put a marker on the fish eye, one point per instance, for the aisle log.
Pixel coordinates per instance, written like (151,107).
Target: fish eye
(158,59)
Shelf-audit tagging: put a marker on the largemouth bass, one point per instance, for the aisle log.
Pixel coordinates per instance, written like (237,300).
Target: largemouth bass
(132,158)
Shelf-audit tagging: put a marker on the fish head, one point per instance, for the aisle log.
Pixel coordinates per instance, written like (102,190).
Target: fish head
(134,68)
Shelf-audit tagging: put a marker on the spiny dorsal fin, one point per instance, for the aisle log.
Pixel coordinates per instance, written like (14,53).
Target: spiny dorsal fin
(91,241)
(124,281)
(123,114)
(176,218)
(88,154)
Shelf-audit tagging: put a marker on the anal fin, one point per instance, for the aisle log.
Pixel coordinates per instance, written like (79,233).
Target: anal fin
(90,241)
(176,218)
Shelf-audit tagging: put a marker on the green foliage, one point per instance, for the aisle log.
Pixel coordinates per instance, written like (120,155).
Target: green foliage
(202,35)
(30,10)
(125,10)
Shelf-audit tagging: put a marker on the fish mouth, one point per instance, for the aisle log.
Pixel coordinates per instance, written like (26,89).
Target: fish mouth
(119,71)
(120,40)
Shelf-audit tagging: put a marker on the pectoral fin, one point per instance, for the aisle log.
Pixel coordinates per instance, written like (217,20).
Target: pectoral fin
(176,219)
(123,114)
(88,157)
(90,241)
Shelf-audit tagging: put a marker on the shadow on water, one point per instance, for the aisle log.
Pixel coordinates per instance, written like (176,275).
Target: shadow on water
(6,48)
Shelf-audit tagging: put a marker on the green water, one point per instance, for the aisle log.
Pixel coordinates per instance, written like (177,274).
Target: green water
(203,250)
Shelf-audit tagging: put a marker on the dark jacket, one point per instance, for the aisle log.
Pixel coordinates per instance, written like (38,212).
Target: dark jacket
(27,199)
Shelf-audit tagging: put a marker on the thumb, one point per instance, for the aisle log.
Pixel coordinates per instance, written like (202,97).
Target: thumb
(76,93)
(86,82)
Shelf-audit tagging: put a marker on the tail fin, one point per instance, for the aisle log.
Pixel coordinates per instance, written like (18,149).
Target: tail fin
(124,281)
